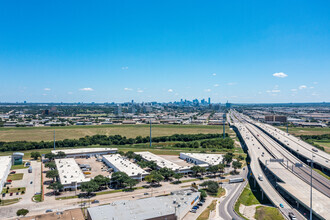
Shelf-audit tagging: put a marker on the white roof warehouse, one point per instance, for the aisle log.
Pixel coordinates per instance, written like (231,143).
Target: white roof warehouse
(119,163)
(70,173)
(5,165)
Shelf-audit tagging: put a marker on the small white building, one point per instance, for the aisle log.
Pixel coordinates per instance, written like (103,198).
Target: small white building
(120,163)
(5,165)
(86,152)
(202,159)
(70,174)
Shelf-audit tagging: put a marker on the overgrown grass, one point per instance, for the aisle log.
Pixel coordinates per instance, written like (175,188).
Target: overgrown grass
(221,192)
(206,213)
(5,202)
(13,190)
(16,167)
(37,198)
(267,213)
(321,173)
(16,176)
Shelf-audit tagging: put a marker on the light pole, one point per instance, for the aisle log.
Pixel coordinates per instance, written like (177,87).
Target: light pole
(311,200)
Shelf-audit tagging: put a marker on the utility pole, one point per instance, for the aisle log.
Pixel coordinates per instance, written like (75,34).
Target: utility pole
(311,198)
(54,138)
(150,133)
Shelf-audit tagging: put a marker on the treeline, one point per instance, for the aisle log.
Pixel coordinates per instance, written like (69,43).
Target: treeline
(311,138)
(100,140)
(227,143)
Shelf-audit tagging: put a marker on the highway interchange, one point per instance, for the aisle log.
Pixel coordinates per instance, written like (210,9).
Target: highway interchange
(292,174)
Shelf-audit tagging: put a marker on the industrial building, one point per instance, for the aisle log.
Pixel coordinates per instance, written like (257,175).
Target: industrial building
(70,174)
(161,162)
(275,118)
(5,165)
(202,159)
(171,207)
(86,152)
(120,163)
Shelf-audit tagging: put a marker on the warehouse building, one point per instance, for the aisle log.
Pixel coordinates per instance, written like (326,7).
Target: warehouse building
(120,163)
(162,162)
(86,152)
(5,165)
(171,207)
(202,159)
(70,174)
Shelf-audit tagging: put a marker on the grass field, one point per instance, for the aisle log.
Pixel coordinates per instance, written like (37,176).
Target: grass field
(297,131)
(13,190)
(326,145)
(16,176)
(76,132)
(5,202)
(268,213)
(14,167)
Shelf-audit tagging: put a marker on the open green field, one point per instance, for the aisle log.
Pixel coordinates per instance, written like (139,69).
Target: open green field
(130,131)
(297,131)
(16,176)
(326,145)
(5,202)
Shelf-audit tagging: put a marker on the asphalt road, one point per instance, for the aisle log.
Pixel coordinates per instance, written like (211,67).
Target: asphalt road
(234,190)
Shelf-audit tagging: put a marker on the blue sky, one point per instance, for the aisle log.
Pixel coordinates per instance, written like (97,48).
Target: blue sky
(116,51)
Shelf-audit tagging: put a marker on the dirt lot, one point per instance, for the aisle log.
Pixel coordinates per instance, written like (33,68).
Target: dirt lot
(95,165)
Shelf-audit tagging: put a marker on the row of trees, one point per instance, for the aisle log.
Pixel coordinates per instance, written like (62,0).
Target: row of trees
(219,143)
(100,140)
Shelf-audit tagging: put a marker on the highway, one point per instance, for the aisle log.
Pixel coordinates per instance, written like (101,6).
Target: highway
(300,147)
(294,182)
(234,190)
(319,182)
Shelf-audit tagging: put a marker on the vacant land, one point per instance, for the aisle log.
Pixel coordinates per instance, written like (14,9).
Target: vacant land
(76,132)
(206,213)
(268,213)
(297,131)
(324,144)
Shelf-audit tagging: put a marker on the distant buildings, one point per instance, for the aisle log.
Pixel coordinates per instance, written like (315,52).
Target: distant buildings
(275,118)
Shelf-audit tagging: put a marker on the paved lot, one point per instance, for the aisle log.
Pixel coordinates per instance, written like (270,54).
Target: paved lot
(95,165)
(176,160)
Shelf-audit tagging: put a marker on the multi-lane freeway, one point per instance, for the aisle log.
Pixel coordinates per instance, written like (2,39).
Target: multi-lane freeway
(293,180)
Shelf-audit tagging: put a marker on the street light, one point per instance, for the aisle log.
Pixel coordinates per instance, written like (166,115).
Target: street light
(311,210)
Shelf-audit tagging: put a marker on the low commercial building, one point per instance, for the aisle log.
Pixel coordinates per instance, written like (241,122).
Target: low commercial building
(70,174)
(171,207)
(17,158)
(202,159)
(86,152)
(162,162)
(120,163)
(5,165)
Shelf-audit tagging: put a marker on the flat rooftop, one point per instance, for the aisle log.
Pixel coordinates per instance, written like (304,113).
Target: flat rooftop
(146,208)
(85,150)
(210,159)
(5,162)
(124,165)
(160,161)
(69,171)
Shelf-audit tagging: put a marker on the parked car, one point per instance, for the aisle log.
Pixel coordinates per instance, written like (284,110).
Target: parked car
(292,216)
(146,194)
(95,201)
(281,205)
(193,210)
(12,172)
(49,210)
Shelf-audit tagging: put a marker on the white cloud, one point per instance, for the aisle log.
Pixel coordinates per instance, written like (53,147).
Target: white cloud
(216,85)
(139,90)
(207,90)
(47,89)
(312,87)
(293,90)
(128,89)
(170,90)
(273,91)
(70,93)
(44,94)
(86,89)
(124,68)
(231,83)
(214,74)
(280,75)
(302,87)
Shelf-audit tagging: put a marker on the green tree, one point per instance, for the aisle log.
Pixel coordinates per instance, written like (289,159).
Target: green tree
(236,165)
(50,156)
(60,154)
(228,158)
(167,173)
(131,182)
(203,193)
(130,154)
(196,170)
(178,176)
(35,155)
(119,178)
(56,186)
(51,165)
(52,174)
(221,168)
(22,212)
(89,187)
(101,180)
(213,169)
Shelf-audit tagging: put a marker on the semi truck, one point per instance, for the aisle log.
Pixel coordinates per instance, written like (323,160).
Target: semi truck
(236,180)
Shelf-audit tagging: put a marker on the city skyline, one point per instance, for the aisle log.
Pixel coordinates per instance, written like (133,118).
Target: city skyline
(115,52)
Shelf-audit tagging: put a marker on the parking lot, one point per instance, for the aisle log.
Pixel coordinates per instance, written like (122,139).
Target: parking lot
(97,167)
(176,160)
